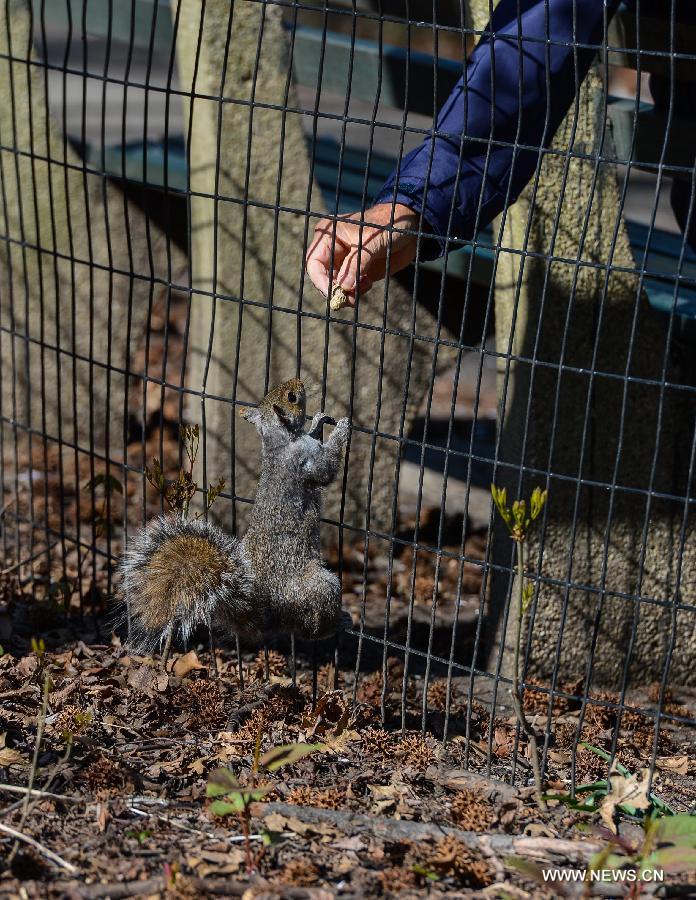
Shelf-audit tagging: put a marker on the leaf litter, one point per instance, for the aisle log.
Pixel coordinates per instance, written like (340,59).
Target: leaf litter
(346,806)
(128,748)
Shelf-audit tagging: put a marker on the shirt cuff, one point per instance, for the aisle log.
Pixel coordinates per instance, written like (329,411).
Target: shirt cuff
(433,204)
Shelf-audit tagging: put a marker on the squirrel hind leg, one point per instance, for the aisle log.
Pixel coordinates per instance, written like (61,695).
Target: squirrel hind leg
(314,607)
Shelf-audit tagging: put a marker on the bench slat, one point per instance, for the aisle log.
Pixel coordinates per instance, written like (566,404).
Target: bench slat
(429,81)
(129,23)
(663,254)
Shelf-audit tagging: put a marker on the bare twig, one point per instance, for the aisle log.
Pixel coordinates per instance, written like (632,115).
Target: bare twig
(490,788)
(8,505)
(44,795)
(25,562)
(184,826)
(235,719)
(213,650)
(240,663)
(41,722)
(167,646)
(53,774)
(49,854)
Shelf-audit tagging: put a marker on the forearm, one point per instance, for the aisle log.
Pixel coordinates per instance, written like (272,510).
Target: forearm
(517,87)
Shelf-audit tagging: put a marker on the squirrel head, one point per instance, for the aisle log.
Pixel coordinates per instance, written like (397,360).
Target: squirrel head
(282,408)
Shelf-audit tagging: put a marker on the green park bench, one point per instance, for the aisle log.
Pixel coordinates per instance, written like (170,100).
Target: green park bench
(412,81)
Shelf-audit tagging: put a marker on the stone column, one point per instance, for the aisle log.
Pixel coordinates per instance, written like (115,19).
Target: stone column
(566,407)
(256,320)
(77,267)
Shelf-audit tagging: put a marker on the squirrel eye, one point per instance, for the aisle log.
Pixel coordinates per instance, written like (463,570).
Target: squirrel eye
(292,397)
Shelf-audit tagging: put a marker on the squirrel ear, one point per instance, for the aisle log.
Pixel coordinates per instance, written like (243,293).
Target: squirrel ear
(250,413)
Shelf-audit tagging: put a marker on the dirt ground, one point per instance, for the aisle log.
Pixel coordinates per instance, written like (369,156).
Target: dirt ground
(127,748)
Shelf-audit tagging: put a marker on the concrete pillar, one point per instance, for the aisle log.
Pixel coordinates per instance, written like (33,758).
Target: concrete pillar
(76,266)
(565,407)
(255,320)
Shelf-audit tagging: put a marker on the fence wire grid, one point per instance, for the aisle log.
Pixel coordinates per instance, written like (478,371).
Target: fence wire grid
(163,169)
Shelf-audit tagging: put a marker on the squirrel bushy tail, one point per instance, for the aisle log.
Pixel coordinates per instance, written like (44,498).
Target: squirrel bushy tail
(183,574)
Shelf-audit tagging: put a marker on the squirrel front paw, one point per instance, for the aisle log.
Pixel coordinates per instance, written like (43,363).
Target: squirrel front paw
(342,429)
(317,425)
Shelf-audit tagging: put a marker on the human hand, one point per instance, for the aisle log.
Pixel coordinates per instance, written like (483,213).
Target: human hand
(367,246)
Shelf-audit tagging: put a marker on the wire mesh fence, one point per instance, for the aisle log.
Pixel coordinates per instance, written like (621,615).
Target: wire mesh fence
(163,173)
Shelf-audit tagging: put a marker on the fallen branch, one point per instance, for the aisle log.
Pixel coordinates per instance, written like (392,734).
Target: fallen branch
(34,792)
(219,887)
(49,854)
(539,848)
(235,718)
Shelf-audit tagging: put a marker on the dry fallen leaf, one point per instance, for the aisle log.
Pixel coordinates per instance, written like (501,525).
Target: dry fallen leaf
(538,829)
(102,817)
(275,822)
(679,765)
(626,790)
(228,862)
(198,766)
(559,757)
(383,791)
(186,664)
(298,827)
(355,843)
(9,757)
(339,744)
(142,679)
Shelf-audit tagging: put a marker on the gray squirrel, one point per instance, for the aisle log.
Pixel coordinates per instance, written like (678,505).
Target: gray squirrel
(179,574)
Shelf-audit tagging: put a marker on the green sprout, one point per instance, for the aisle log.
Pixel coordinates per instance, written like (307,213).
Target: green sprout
(140,836)
(230,797)
(518,519)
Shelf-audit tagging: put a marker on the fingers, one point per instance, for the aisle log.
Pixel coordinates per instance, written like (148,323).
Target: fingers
(318,260)
(359,255)
(318,271)
(370,264)
(348,273)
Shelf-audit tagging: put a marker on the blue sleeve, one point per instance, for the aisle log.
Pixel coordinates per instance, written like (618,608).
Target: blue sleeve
(517,87)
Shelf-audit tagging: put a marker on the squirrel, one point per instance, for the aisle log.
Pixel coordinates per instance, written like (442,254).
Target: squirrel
(282,541)
(179,574)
